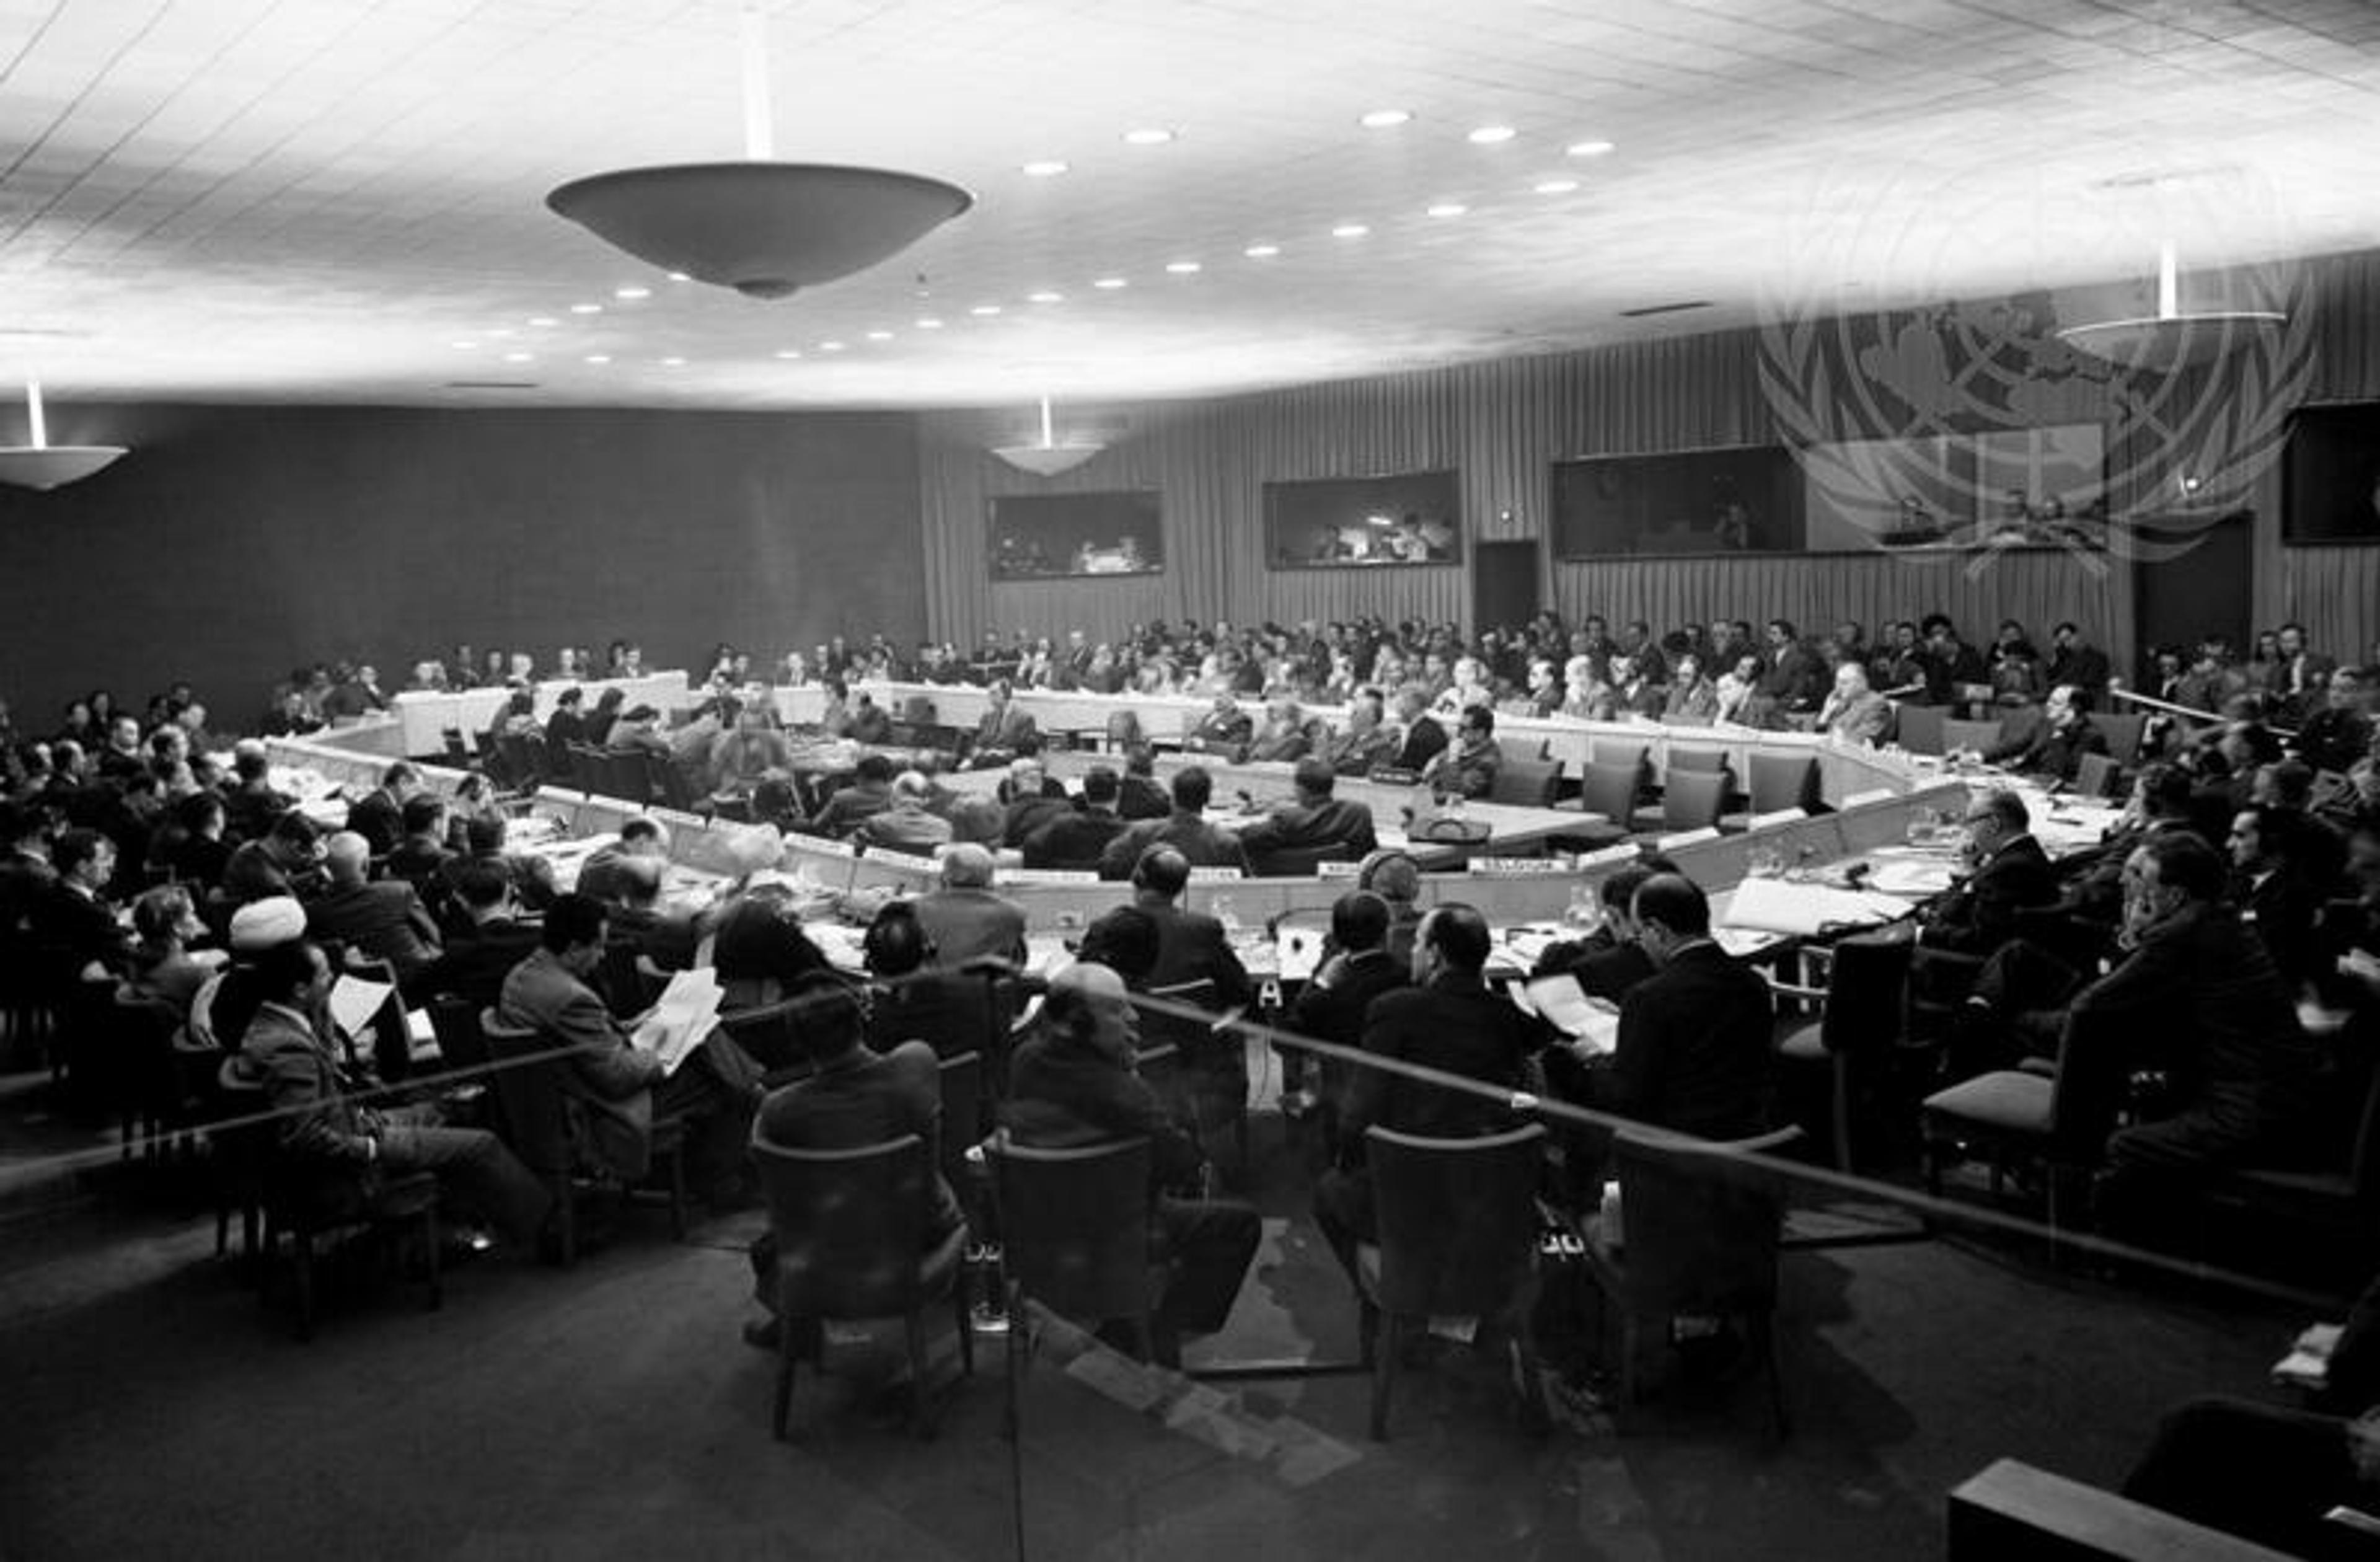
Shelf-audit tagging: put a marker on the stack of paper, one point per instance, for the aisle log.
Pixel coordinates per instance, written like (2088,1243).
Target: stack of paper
(1801,910)
(1560,1002)
(683,1019)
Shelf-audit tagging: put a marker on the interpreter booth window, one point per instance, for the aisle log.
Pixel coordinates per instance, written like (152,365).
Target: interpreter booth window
(1736,499)
(1364,523)
(1036,536)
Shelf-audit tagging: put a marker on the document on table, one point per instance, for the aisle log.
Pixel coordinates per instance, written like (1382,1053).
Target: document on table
(354,1002)
(1560,1002)
(683,1019)
(1799,909)
(1914,877)
(1297,954)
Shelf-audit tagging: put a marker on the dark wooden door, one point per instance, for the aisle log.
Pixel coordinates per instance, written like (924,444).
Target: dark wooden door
(2202,590)
(1504,583)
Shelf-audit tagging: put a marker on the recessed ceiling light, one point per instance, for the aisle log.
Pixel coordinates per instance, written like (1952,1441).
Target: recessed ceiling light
(1587,149)
(830,347)
(1111,283)
(632,292)
(543,320)
(985,310)
(466,346)
(1047,296)
(880,336)
(1261,251)
(679,276)
(1491,135)
(1147,135)
(502,332)
(518,356)
(1350,230)
(598,357)
(789,352)
(1182,268)
(927,323)
(587,308)
(1385,118)
(1556,187)
(674,363)
(1045,167)
(1448,209)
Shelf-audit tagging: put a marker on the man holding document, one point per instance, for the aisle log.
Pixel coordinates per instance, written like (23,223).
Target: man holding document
(671,1062)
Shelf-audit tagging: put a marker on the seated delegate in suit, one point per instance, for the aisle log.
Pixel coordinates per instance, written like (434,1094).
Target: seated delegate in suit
(1694,1045)
(1469,767)
(963,919)
(1006,727)
(852,1098)
(760,952)
(1075,838)
(286,1052)
(2198,997)
(2007,872)
(1192,949)
(869,794)
(621,1087)
(1314,821)
(283,862)
(1421,739)
(910,825)
(1450,1020)
(1282,739)
(1224,730)
(73,916)
(2056,747)
(1367,744)
(640,838)
(1185,829)
(382,920)
(1611,961)
(486,939)
(379,814)
(1855,712)
(1031,799)
(910,1001)
(1334,1005)
(1074,1082)
(2276,895)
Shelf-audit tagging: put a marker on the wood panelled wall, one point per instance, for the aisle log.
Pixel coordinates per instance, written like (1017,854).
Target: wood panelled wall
(1503,425)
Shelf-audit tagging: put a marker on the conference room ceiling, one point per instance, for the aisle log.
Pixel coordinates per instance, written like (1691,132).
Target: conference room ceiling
(325,200)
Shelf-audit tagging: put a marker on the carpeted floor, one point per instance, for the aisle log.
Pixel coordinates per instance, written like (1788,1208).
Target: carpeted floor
(154,1411)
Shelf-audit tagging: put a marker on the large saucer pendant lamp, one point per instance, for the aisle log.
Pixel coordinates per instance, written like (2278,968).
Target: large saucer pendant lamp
(765,228)
(46,466)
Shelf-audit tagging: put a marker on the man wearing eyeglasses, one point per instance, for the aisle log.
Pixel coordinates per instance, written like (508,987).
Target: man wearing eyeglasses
(2007,872)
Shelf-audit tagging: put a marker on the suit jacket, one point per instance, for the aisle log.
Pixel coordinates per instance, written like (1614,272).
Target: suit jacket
(1471,769)
(1027,815)
(1424,741)
(1453,1024)
(2200,990)
(82,924)
(845,810)
(1205,845)
(1299,826)
(867,1101)
(603,1072)
(1143,799)
(476,963)
(1865,718)
(1980,915)
(1074,838)
(2085,666)
(376,817)
(2280,909)
(1064,1093)
(282,1056)
(964,923)
(1359,753)
(1336,1013)
(1192,948)
(1693,1052)
(948,1010)
(253,874)
(385,921)
(1278,746)
(1004,728)
(1790,675)
(904,827)
(2058,751)
(1604,968)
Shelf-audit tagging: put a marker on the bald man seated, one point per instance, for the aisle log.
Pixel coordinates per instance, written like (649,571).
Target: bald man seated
(1076,1082)
(385,919)
(965,919)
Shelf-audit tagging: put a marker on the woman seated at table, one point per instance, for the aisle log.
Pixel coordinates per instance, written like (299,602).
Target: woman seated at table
(161,965)
(1737,688)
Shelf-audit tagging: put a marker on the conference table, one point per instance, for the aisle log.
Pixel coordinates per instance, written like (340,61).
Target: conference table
(425,716)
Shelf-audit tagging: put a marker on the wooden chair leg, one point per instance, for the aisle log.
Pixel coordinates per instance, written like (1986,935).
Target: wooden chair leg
(1384,1374)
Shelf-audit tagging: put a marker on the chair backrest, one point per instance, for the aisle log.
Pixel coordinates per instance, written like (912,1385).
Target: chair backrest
(1073,1224)
(1296,861)
(1980,737)
(1779,781)
(1692,800)
(1522,751)
(1698,758)
(1702,1224)
(665,780)
(850,1224)
(2099,776)
(1864,993)
(537,1112)
(918,711)
(767,1033)
(2123,731)
(1616,751)
(591,767)
(1457,1219)
(2095,1055)
(1528,783)
(456,1022)
(1610,790)
(962,1104)
(1918,728)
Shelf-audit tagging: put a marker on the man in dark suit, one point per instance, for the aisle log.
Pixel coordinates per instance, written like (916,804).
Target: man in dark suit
(1609,962)
(1033,800)
(25,870)
(2198,998)
(1223,731)
(1694,1050)
(379,814)
(1006,727)
(1195,960)
(1791,679)
(1186,830)
(2055,749)
(385,921)
(1333,1006)
(1074,1082)
(2304,675)
(487,942)
(73,916)
(851,1098)
(2271,890)
(2075,661)
(1449,1020)
(869,794)
(948,1010)
(599,876)
(1074,838)
(1421,739)
(963,919)
(2008,872)
(1314,821)
(1139,796)
(287,860)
